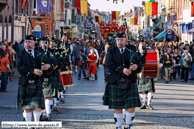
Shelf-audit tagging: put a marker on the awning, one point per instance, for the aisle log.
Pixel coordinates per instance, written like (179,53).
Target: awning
(161,35)
(182,27)
(189,26)
(191,31)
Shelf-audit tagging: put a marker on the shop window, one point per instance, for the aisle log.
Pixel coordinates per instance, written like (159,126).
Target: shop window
(5,19)
(10,19)
(1,19)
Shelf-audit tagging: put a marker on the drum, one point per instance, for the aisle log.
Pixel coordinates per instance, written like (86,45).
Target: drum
(152,66)
(67,78)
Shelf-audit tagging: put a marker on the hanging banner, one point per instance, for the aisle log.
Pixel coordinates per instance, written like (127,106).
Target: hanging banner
(96,19)
(155,9)
(113,16)
(148,8)
(44,7)
(77,2)
(133,21)
(24,4)
(99,19)
(84,7)
(117,15)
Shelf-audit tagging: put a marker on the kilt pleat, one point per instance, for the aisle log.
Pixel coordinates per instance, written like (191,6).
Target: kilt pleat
(50,90)
(59,82)
(25,101)
(145,84)
(116,98)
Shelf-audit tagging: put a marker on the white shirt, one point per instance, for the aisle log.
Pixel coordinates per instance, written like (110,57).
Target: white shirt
(121,50)
(32,52)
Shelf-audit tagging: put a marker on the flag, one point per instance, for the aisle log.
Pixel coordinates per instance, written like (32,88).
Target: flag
(44,7)
(133,21)
(84,7)
(151,8)
(117,15)
(192,9)
(77,2)
(96,19)
(24,4)
(99,19)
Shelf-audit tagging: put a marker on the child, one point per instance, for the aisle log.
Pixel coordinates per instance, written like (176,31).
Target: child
(82,60)
(4,71)
(92,58)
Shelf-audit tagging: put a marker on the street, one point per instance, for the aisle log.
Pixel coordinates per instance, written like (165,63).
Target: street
(83,109)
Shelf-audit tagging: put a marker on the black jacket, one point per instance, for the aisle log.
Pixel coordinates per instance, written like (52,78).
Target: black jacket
(25,65)
(116,62)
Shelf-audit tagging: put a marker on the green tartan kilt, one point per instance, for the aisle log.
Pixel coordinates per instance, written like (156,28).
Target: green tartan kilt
(59,83)
(25,101)
(145,84)
(116,98)
(50,91)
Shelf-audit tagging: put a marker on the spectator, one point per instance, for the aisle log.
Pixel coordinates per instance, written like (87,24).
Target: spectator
(21,46)
(167,67)
(4,71)
(2,50)
(92,64)
(82,60)
(12,55)
(16,46)
(185,62)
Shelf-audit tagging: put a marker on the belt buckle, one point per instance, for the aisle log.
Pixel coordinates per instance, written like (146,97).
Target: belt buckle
(31,81)
(45,79)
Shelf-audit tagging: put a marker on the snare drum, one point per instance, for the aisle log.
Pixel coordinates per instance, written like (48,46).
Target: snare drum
(152,66)
(67,78)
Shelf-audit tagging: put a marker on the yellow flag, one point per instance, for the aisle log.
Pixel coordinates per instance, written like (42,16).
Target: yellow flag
(84,7)
(117,15)
(99,19)
(132,21)
(148,8)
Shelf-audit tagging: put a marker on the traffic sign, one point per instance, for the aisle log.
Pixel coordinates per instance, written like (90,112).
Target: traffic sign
(169,32)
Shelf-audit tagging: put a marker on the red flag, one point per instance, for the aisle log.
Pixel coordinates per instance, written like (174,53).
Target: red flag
(24,4)
(192,9)
(155,9)
(113,16)
(135,21)
(78,6)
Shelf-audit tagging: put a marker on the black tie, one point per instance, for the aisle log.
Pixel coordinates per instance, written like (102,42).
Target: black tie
(30,51)
(122,51)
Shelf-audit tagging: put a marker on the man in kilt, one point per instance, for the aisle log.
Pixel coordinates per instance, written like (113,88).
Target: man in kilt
(30,92)
(146,86)
(121,75)
(49,87)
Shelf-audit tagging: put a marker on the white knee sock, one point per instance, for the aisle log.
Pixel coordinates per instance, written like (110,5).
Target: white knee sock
(119,119)
(36,116)
(149,97)
(141,96)
(61,93)
(144,99)
(124,113)
(27,116)
(58,95)
(50,105)
(55,102)
(129,118)
(47,107)
(65,88)
(43,112)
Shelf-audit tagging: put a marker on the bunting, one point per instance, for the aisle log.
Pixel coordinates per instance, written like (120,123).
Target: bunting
(115,15)
(133,21)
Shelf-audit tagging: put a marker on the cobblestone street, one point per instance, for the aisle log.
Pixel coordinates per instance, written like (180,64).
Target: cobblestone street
(83,109)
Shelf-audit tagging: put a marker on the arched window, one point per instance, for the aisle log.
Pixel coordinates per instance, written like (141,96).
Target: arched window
(10,19)
(1,19)
(5,19)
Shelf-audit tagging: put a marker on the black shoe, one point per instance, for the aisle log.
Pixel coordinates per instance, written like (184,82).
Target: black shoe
(128,127)
(56,111)
(96,78)
(64,91)
(166,82)
(43,118)
(150,107)
(62,100)
(191,78)
(79,78)
(143,107)
(123,119)
(84,78)
(48,118)
(182,80)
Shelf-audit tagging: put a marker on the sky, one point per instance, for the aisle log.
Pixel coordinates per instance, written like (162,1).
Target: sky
(104,5)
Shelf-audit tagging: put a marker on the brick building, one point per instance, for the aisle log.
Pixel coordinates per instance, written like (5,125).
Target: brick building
(6,21)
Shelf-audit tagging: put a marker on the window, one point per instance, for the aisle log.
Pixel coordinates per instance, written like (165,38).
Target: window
(1,19)
(65,16)
(16,8)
